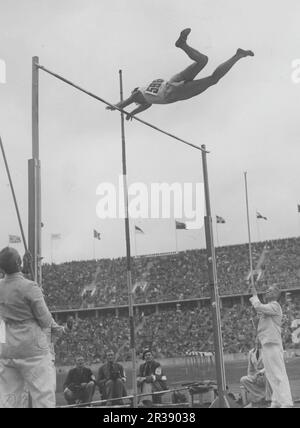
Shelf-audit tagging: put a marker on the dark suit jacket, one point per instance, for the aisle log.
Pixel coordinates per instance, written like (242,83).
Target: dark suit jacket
(110,372)
(148,369)
(77,376)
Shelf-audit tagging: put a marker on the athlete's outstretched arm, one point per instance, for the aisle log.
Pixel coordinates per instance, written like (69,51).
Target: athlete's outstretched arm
(123,104)
(139,109)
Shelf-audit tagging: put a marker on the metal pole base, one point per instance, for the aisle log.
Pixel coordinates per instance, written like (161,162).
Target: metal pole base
(225,403)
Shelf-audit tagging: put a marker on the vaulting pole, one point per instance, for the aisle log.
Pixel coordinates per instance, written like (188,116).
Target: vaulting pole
(15,201)
(128,254)
(34,181)
(215,300)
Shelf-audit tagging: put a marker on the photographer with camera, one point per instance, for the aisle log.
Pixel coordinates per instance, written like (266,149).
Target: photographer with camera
(255,383)
(111,380)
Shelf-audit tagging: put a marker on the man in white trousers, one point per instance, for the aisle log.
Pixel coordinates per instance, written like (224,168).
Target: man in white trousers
(269,334)
(26,361)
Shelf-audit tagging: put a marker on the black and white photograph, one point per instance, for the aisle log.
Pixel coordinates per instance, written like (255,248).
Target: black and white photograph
(149,206)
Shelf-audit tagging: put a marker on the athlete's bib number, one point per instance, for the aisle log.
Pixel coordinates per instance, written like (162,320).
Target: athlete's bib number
(154,87)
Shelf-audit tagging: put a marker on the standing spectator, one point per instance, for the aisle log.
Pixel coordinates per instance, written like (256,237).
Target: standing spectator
(151,378)
(255,383)
(111,380)
(25,356)
(269,334)
(79,386)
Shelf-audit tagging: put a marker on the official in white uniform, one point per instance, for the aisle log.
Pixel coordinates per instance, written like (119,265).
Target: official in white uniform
(26,362)
(269,335)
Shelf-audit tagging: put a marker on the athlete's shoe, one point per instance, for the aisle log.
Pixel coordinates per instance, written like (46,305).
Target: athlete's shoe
(183,37)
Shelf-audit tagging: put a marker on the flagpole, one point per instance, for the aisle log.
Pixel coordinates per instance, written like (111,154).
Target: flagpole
(94,239)
(249,232)
(258,229)
(128,254)
(176,239)
(51,250)
(135,245)
(261,230)
(217,230)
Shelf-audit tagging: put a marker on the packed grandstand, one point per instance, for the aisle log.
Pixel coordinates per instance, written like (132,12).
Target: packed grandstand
(171,294)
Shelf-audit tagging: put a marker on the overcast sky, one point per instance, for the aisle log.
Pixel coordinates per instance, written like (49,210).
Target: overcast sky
(249,121)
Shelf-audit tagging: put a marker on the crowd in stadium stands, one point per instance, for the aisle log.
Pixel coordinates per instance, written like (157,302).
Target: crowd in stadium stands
(283,262)
(63,284)
(167,277)
(170,333)
(91,338)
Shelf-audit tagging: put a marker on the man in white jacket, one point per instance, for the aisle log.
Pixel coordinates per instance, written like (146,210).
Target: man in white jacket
(26,361)
(269,334)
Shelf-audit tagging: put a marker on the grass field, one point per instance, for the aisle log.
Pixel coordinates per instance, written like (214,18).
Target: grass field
(179,374)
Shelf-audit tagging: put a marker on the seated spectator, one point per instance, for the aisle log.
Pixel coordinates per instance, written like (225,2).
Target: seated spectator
(151,378)
(111,380)
(255,383)
(79,386)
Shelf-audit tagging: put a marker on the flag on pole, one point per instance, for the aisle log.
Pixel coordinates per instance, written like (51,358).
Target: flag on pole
(259,216)
(55,236)
(180,225)
(14,239)
(97,235)
(138,229)
(220,219)
(298,208)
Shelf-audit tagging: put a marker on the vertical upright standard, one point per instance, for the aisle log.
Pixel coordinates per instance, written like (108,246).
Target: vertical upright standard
(215,300)
(128,255)
(34,181)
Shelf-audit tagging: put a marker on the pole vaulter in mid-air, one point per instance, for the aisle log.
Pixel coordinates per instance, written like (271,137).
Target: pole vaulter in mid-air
(183,85)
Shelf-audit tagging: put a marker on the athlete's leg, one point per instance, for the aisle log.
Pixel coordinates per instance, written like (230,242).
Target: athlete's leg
(196,87)
(200,59)
(226,66)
